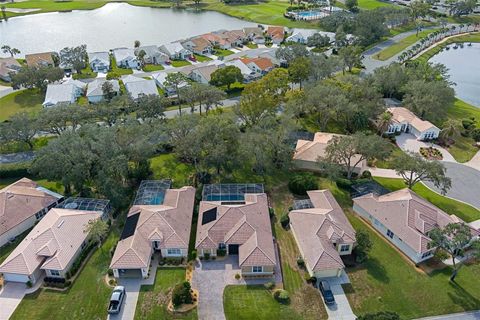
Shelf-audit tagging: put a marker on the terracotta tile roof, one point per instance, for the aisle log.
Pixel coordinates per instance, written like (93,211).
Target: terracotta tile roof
(200,43)
(311,150)
(261,62)
(52,243)
(276,32)
(39,59)
(8,65)
(245,224)
(407,215)
(317,229)
(169,222)
(401,114)
(21,200)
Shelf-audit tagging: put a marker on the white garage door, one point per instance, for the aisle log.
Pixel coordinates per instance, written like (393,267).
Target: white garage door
(326,273)
(15,277)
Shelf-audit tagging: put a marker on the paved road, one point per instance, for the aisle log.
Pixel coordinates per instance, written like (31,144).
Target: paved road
(472,315)
(465,183)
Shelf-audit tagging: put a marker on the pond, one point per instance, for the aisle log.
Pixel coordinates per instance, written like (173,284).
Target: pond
(464,70)
(111,26)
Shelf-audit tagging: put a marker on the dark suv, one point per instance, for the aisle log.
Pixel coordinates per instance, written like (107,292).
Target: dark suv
(327,293)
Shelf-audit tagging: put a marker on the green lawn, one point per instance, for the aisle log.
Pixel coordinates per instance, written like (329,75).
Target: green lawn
(153,67)
(180,63)
(152,300)
(252,45)
(86,299)
(401,45)
(372,4)
(222,52)
(166,166)
(388,282)
(118,70)
(450,206)
(29,101)
(201,58)
(86,73)
(388,163)
(254,302)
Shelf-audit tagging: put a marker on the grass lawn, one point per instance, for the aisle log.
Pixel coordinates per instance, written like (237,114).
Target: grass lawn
(388,282)
(222,52)
(254,302)
(13,147)
(85,74)
(401,45)
(372,4)
(5,83)
(180,63)
(460,209)
(118,70)
(152,300)
(201,58)
(167,166)
(472,37)
(252,45)
(153,67)
(86,299)
(8,248)
(29,101)
(388,163)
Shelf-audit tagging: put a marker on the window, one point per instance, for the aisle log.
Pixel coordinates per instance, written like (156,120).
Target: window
(257,269)
(55,273)
(390,234)
(426,254)
(345,248)
(174,251)
(222,245)
(84,244)
(40,214)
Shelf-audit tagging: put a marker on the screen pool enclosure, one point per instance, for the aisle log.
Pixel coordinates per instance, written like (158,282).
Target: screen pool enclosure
(230,192)
(87,204)
(302,204)
(361,189)
(152,192)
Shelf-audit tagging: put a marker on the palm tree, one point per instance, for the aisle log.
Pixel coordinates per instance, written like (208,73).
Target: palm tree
(383,122)
(451,130)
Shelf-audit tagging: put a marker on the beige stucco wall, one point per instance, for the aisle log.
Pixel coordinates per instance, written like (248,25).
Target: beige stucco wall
(266,270)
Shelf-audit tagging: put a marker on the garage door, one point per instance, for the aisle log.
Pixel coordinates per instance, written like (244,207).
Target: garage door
(130,273)
(15,277)
(233,249)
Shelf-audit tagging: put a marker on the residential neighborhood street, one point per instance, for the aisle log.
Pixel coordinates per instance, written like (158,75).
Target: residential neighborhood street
(472,315)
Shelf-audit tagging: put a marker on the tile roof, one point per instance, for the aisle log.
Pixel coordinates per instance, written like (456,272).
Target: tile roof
(276,32)
(169,223)
(261,62)
(123,53)
(245,224)
(200,43)
(95,87)
(21,200)
(311,150)
(52,243)
(39,59)
(59,93)
(104,57)
(318,229)
(8,65)
(137,86)
(206,71)
(401,114)
(407,215)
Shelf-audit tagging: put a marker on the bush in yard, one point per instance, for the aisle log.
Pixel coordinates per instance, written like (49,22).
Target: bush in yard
(110,272)
(475,134)
(269,285)
(221,252)
(468,124)
(282,296)
(364,245)
(237,276)
(301,262)
(344,183)
(366,174)
(383,315)
(271,212)
(182,294)
(285,220)
(309,279)
(302,182)
(206,256)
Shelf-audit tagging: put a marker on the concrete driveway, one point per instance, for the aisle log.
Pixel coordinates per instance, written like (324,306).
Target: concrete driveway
(341,310)
(132,289)
(10,297)
(408,142)
(465,183)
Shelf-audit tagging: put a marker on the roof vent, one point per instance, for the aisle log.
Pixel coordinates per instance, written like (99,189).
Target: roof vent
(61,223)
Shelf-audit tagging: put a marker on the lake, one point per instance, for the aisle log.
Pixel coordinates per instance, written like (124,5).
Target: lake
(111,26)
(464,70)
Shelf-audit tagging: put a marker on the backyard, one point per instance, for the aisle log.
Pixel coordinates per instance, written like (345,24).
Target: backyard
(152,300)
(29,101)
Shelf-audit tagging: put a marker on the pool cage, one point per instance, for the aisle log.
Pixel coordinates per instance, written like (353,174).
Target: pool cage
(230,192)
(302,204)
(86,204)
(362,189)
(152,192)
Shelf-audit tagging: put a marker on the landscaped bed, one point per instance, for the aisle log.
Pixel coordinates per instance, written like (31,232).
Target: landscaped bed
(431,153)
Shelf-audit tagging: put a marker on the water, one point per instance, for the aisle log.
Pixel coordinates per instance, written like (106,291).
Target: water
(111,26)
(464,71)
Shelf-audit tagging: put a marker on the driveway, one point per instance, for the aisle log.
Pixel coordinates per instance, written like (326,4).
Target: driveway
(341,310)
(132,289)
(10,297)
(408,142)
(465,185)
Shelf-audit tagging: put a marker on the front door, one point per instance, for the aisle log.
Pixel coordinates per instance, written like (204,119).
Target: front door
(233,248)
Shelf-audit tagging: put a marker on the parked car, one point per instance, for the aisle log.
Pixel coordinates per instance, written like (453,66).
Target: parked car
(327,293)
(192,58)
(116,300)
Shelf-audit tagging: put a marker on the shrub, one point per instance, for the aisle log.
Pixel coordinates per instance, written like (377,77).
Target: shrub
(206,256)
(344,183)
(237,276)
(110,272)
(193,254)
(29,284)
(269,285)
(78,262)
(310,280)
(14,170)
(364,245)
(366,174)
(182,294)
(302,182)
(221,252)
(282,296)
(301,262)
(112,282)
(475,134)
(285,220)
(468,123)
(382,315)
(271,212)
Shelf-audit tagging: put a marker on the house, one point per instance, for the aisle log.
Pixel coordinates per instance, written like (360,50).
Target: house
(52,246)
(203,74)
(125,58)
(99,61)
(176,51)
(158,222)
(236,37)
(198,45)
(302,35)
(403,120)
(66,92)
(153,55)
(323,233)
(234,220)
(248,74)
(276,34)
(308,152)
(8,66)
(217,40)
(270,55)
(22,204)
(160,79)
(254,34)
(138,86)
(95,89)
(404,219)
(44,59)
(259,65)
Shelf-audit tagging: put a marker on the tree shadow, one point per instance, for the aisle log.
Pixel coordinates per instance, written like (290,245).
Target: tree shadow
(376,269)
(463,298)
